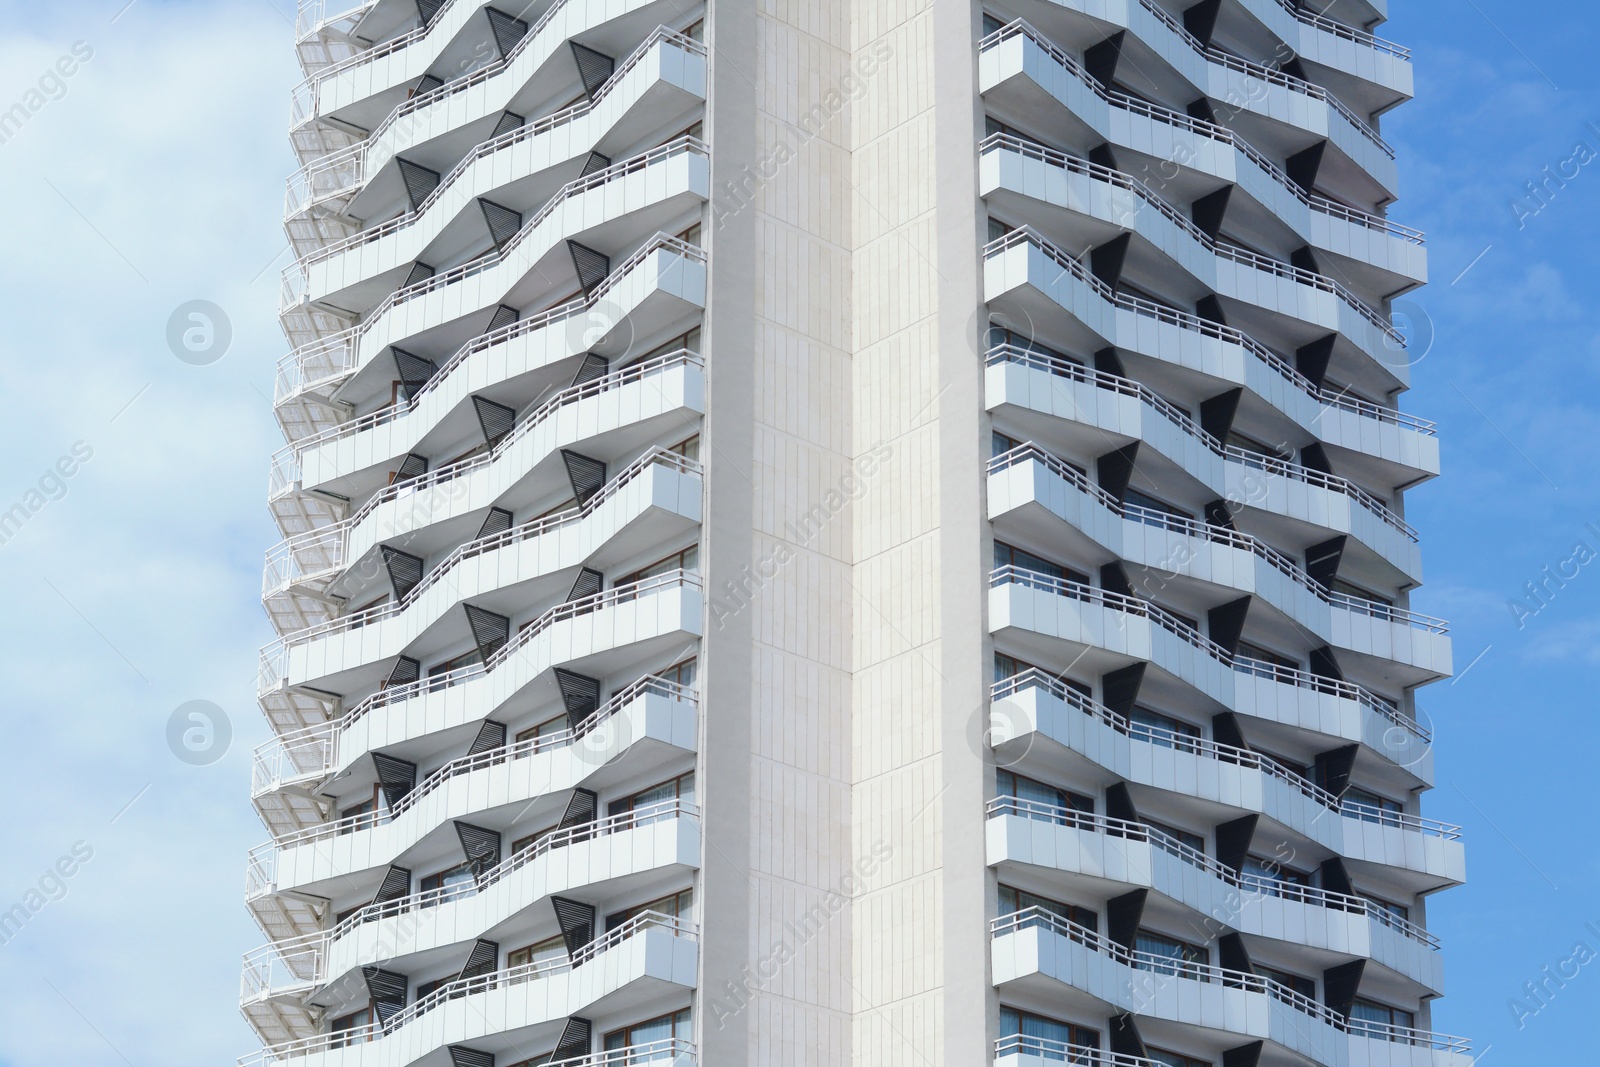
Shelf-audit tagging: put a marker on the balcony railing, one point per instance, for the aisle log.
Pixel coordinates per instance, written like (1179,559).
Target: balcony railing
(1221,535)
(1267,74)
(1033,678)
(1210,130)
(1183,421)
(294,275)
(300,963)
(341,171)
(1340,30)
(1183,631)
(466,987)
(1037,918)
(261,864)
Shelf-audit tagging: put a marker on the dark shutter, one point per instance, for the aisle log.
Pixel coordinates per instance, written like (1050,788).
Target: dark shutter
(595,163)
(1303,167)
(491,735)
(1123,915)
(506,123)
(1312,360)
(1106,261)
(1225,623)
(1101,60)
(591,368)
(1115,469)
(503,223)
(405,671)
(480,846)
(1334,766)
(1243,1056)
(411,467)
(1323,559)
(498,521)
(405,570)
(1126,1039)
(592,267)
(482,960)
(1233,841)
(1119,803)
(396,777)
(580,694)
(1217,414)
(1121,687)
(418,180)
(1210,210)
(414,371)
(586,474)
(494,420)
(388,992)
(594,68)
(396,884)
(489,631)
(577,922)
(507,30)
(1339,985)
(1201,20)
(575,1038)
(588,582)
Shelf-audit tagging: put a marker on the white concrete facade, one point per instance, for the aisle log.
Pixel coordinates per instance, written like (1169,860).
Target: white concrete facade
(846,531)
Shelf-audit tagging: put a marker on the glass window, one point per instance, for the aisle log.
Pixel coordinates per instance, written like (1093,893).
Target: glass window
(1009,556)
(1266,655)
(1176,1059)
(1141,500)
(1002,336)
(1000,444)
(1339,585)
(1270,873)
(548,728)
(1042,1035)
(1184,837)
(991,24)
(466,659)
(354,1028)
(551,948)
(1163,730)
(1069,804)
(1168,948)
(427,989)
(1306,987)
(1015,900)
(680,788)
(663,1028)
(452,883)
(1370,807)
(678,905)
(1389,907)
(681,673)
(1370,1011)
(689,448)
(688,560)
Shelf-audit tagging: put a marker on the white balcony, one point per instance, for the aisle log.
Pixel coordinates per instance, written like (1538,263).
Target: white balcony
(1328,43)
(657,87)
(1266,92)
(611,853)
(1037,951)
(629,964)
(1245,479)
(1018,62)
(1041,184)
(1030,489)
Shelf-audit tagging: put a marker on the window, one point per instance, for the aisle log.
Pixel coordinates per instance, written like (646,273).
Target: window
(1339,585)
(448,884)
(991,24)
(688,448)
(1039,1034)
(1068,804)
(678,905)
(1000,335)
(682,673)
(687,560)
(466,659)
(998,229)
(551,948)
(1183,837)
(679,789)
(1389,908)
(367,807)
(548,728)
(1250,444)
(1175,1059)
(1266,655)
(1370,807)
(1306,987)
(1000,444)
(1168,948)
(1015,900)
(352,1029)
(1163,730)
(425,989)
(1142,502)
(522,844)
(1370,1011)
(1008,556)
(1269,874)
(674,1027)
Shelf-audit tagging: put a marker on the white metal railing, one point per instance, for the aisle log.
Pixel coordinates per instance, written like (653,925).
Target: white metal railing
(1027,235)
(1179,628)
(1271,464)
(1211,130)
(1034,678)
(1037,918)
(294,289)
(332,357)
(1222,535)
(1267,74)
(274,655)
(305,754)
(302,961)
(342,171)
(1348,33)
(382,416)
(465,987)
(311,15)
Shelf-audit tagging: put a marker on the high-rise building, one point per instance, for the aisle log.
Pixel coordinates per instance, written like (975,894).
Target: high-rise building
(847,531)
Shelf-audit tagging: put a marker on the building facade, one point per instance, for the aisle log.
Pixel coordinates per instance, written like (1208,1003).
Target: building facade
(846,531)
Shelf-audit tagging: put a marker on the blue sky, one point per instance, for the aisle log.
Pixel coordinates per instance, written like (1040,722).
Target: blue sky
(155,178)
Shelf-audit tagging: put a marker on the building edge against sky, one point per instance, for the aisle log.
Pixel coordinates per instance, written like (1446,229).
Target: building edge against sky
(846,531)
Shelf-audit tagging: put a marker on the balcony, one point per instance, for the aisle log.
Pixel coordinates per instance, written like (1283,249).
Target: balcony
(1095,413)
(614,854)
(1095,203)
(1270,99)
(1050,956)
(650,714)
(621,969)
(1033,78)
(1033,492)
(663,278)
(657,87)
